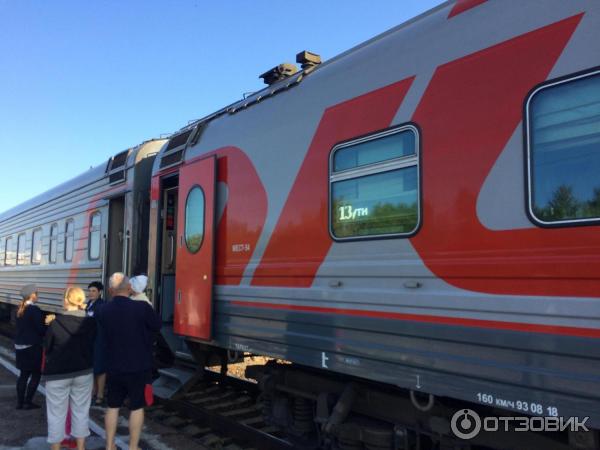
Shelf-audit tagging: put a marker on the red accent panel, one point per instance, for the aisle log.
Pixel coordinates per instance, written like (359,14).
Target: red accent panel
(194,277)
(301,231)
(444,320)
(155,189)
(244,215)
(463,5)
(467,115)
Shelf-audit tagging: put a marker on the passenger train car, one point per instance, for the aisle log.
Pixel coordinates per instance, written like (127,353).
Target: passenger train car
(81,230)
(414,224)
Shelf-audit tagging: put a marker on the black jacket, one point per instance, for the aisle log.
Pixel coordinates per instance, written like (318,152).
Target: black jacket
(129,328)
(69,345)
(92,308)
(30,327)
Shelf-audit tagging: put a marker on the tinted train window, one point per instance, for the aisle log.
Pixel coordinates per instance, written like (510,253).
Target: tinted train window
(21,253)
(374,185)
(36,246)
(52,244)
(194,219)
(9,254)
(563,125)
(69,237)
(94,238)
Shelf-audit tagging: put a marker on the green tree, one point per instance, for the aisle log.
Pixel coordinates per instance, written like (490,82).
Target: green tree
(563,205)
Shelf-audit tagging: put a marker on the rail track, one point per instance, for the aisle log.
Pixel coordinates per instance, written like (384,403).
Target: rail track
(222,413)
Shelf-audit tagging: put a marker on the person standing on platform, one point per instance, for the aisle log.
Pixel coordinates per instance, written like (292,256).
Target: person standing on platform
(129,327)
(28,346)
(95,302)
(69,345)
(138,288)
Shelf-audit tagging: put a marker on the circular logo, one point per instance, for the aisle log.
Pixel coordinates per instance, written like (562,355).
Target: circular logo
(465,424)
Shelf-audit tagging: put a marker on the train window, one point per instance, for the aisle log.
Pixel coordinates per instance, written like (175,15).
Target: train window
(36,246)
(563,145)
(53,242)
(69,237)
(9,255)
(21,253)
(94,238)
(374,185)
(194,219)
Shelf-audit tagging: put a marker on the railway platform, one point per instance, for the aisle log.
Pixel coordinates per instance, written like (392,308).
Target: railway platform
(20,429)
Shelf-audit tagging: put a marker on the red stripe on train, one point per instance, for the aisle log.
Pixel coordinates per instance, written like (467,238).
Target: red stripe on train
(443,320)
(464,5)
(468,114)
(302,228)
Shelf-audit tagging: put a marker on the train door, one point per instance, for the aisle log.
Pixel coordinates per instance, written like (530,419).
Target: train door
(195,249)
(169,343)
(114,241)
(168,255)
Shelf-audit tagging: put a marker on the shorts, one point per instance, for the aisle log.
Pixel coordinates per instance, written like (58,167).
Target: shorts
(126,385)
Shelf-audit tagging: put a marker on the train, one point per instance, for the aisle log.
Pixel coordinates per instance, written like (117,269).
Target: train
(413,226)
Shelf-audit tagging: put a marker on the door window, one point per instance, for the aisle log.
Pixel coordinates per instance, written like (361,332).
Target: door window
(194,219)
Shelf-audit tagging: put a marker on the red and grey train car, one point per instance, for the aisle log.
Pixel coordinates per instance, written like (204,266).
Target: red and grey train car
(413,223)
(420,211)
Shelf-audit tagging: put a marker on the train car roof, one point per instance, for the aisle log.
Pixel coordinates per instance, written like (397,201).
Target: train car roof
(92,175)
(192,129)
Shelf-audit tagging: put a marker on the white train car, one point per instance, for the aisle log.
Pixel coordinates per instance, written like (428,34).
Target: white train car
(80,231)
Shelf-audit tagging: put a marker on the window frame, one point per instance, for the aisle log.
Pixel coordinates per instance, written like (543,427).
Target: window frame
(65,241)
(91,219)
(6,251)
(19,249)
(185,237)
(374,169)
(31,260)
(527,135)
(53,238)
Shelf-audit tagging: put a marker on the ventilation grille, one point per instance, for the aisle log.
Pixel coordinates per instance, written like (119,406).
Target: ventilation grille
(179,140)
(171,159)
(118,160)
(116,177)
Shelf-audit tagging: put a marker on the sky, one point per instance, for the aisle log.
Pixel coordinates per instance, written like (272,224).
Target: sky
(82,80)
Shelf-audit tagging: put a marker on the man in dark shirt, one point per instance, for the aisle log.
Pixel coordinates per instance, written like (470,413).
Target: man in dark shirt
(129,328)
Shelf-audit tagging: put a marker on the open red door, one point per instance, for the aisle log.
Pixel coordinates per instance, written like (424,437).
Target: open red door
(195,252)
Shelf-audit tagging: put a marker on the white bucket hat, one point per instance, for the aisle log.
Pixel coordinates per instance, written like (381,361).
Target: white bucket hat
(139,283)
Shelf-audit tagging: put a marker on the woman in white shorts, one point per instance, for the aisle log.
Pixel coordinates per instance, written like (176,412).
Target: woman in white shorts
(69,345)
